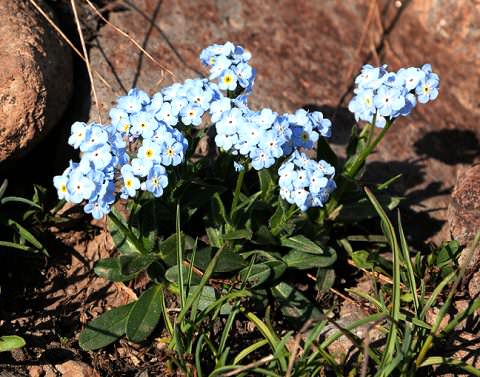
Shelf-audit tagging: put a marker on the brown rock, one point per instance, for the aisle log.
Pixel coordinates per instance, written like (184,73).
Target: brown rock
(464,213)
(301,49)
(35,79)
(35,371)
(73,368)
(308,52)
(438,138)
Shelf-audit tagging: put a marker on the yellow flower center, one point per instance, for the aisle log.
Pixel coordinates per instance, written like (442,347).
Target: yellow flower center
(129,183)
(63,188)
(170,152)
(149,153)
(227,79)
(126,126)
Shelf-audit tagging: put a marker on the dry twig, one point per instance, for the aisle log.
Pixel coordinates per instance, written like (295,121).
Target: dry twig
(67,41)
(147,54)
(87,61)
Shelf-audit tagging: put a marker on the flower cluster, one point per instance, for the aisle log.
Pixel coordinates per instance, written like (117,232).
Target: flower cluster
(305,182)
(229,63)
(144,140)
(383,95)
(93,178)
(264,136)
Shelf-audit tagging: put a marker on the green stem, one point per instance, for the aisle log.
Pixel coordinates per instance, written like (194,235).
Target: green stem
(180,257)
(238,188)
(353,170)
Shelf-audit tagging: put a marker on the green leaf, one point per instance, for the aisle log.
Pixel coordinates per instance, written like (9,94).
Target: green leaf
(172,275)
(219,215)
(118,229)
(3,188)
(215,237)
(167,249)
(362,259)
(105,329)
(124,267)
(325,279)
(227,262)
(302,261)
(294,304)
(363,210)
(206,298)
(267,183)
(198,194)
(145,314)
(11,342)
(302,244)
(264,236)
(27,236)
(16,199)
(262,272)
(238,234)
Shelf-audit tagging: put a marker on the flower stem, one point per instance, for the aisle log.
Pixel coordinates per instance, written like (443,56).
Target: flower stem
(353,170)
(236,195)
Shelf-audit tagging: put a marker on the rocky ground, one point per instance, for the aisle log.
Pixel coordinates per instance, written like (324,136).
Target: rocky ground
(306,54)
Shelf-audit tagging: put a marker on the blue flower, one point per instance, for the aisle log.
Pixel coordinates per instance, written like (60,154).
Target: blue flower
(156,102)
(388,100)
(238,166)
(178,104)
(272,143)
(79,133)
(166,115)
(143,124)
(140,95)
(157,180)
(60,182)
(427,90)
(264,118)
(97,136)
(323,125)
(244,74)
(370,77)
(100,157)
(131,104)
(172,154)
(228,80)
(80,187)
(141,166)
(221,64)
(130,183)
(411,77)
(305,182)
(201,97)
(150,150)
(218,107)
(191,115)
(261,159)
(120,120)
